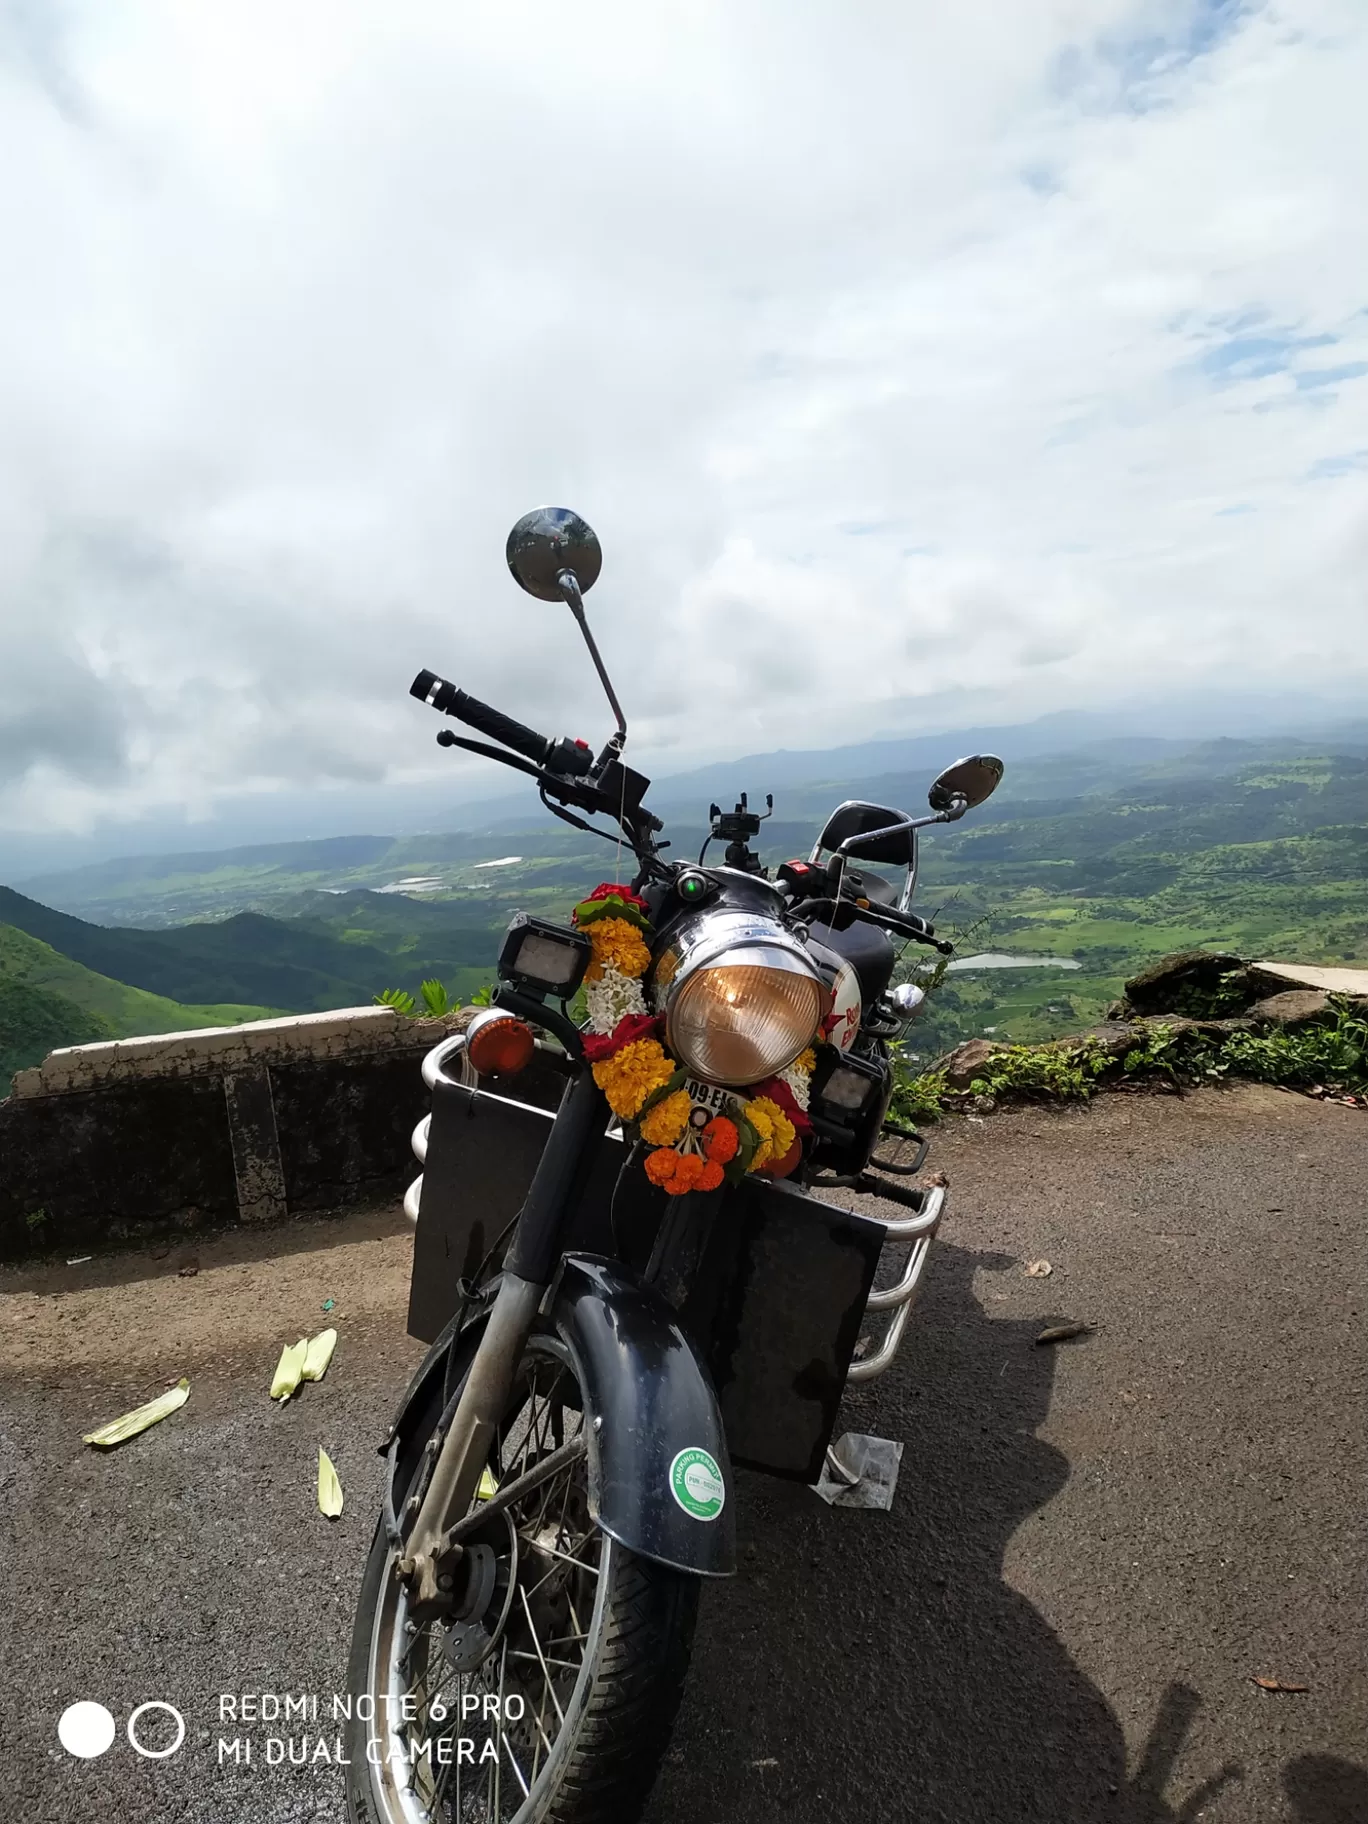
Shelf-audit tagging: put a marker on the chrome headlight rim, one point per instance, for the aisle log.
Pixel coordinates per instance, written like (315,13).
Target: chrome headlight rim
(716,939)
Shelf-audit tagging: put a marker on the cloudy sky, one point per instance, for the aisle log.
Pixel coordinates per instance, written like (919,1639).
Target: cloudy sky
(904,356)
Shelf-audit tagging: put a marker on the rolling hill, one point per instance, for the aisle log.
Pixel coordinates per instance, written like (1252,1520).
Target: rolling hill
(49,1000)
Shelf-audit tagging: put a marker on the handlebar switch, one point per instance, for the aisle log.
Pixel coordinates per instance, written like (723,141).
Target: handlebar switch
(800,877)
(574,759)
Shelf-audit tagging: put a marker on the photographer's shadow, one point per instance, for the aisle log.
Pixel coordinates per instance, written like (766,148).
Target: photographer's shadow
(876,1665)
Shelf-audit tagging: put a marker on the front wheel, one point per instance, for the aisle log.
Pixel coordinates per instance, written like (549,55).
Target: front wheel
(550,1695)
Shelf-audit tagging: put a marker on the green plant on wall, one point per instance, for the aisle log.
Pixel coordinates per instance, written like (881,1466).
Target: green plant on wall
(435,999)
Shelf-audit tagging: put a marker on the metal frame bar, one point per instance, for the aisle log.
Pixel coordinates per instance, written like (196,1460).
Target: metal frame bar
(898,1298)
(434,1069)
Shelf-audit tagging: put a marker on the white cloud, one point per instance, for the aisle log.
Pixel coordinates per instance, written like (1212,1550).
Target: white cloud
(896,352)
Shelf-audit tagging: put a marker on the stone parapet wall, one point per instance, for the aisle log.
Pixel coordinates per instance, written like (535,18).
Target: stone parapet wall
(116,1142)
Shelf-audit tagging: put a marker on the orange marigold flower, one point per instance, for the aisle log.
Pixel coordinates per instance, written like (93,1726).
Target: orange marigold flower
(663,1124)
(660,1165)
(720,1139)
(617,945)
(687,1172)
(629,1076)
(680,1172)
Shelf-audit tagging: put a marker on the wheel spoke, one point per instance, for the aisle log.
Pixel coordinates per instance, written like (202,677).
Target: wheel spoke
(536,1636)
(569,1665)
(532,1630)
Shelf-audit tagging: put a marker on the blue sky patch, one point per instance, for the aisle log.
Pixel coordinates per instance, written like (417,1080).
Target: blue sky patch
(1129,72)
(1330,376)
(1330,468)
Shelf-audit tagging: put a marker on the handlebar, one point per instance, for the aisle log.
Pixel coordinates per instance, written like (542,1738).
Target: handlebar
(429,688)
(560,756)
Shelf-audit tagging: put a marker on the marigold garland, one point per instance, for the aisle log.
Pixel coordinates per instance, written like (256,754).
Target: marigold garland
(776,1131)
(629,1076)
(664,1124)
(617,944)
(643,1084)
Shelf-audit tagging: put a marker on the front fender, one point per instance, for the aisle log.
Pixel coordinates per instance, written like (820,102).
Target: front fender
(647,1399)
(649,1404)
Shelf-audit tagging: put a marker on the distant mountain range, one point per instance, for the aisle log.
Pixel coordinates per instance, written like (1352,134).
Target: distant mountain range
(1105,853)
(477,795)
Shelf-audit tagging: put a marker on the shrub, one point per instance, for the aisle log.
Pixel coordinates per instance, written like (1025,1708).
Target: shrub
(1335,1055)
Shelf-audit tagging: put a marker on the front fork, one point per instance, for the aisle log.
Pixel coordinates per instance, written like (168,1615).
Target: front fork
(431,1558)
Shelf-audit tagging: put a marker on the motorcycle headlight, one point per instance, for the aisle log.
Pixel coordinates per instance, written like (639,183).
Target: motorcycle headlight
(741,1006)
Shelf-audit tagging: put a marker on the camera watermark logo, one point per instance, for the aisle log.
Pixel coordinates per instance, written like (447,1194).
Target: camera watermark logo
(87,1730)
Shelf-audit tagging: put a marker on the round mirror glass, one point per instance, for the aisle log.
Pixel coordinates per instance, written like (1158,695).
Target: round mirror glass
(547,541)
(972,779)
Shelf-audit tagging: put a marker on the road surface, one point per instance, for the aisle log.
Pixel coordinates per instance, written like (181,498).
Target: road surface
(1094,1547)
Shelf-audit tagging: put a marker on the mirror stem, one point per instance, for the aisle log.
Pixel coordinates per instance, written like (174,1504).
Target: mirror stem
(570,589)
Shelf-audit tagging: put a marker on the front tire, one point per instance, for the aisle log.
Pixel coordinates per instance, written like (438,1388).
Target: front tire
(592,1639)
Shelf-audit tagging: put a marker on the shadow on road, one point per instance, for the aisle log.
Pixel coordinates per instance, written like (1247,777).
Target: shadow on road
(877,1665)
(1323,1789)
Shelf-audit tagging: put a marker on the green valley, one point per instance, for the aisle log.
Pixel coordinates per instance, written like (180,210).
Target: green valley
(1083,866)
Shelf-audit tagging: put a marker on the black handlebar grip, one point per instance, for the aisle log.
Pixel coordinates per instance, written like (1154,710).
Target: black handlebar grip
(429,688)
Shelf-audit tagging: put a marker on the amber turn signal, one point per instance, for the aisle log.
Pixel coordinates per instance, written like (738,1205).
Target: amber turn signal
(500,1046)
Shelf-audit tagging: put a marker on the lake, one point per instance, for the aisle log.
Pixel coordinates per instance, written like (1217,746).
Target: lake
(995,959)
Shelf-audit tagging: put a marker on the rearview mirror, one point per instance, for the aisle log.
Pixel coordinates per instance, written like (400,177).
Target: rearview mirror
(546,543)
(972,779)
(555,556)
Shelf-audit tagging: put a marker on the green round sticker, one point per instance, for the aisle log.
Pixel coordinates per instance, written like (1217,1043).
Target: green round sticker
(696,1484)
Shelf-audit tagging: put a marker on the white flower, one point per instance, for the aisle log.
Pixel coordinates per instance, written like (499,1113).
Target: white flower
(800,1082)
(611,999)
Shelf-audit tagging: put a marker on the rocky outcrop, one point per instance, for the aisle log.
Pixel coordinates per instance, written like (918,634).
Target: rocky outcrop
(1213,993)
(1293,1007)
(966,1062)
(1175,982)
(1215,984)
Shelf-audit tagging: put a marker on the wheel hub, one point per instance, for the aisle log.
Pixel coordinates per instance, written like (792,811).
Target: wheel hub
(481,1609)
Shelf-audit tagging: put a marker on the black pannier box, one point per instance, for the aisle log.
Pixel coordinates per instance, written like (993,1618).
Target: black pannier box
(777,1297)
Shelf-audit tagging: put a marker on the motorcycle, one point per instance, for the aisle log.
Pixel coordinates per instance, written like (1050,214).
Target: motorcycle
(627,1271)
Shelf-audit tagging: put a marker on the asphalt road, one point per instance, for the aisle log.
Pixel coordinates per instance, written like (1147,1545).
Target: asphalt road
(1093,1549)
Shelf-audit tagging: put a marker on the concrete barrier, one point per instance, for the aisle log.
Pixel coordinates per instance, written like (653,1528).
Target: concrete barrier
(117,1142)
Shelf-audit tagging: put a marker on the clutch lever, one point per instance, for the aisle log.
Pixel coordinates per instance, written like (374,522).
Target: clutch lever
(900,924)
(570,791)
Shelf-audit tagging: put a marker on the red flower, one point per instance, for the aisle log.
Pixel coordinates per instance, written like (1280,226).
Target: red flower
(632,1026)
(608,891)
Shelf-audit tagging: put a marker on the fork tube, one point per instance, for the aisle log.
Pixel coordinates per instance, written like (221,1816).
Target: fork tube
(566,1161)
(465,1448)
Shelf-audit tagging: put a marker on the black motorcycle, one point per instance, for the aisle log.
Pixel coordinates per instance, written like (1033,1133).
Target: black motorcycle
(627,1273)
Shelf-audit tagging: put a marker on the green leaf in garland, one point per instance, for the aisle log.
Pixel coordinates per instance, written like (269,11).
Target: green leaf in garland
(589,911)
(739,1164)
(667,1088)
